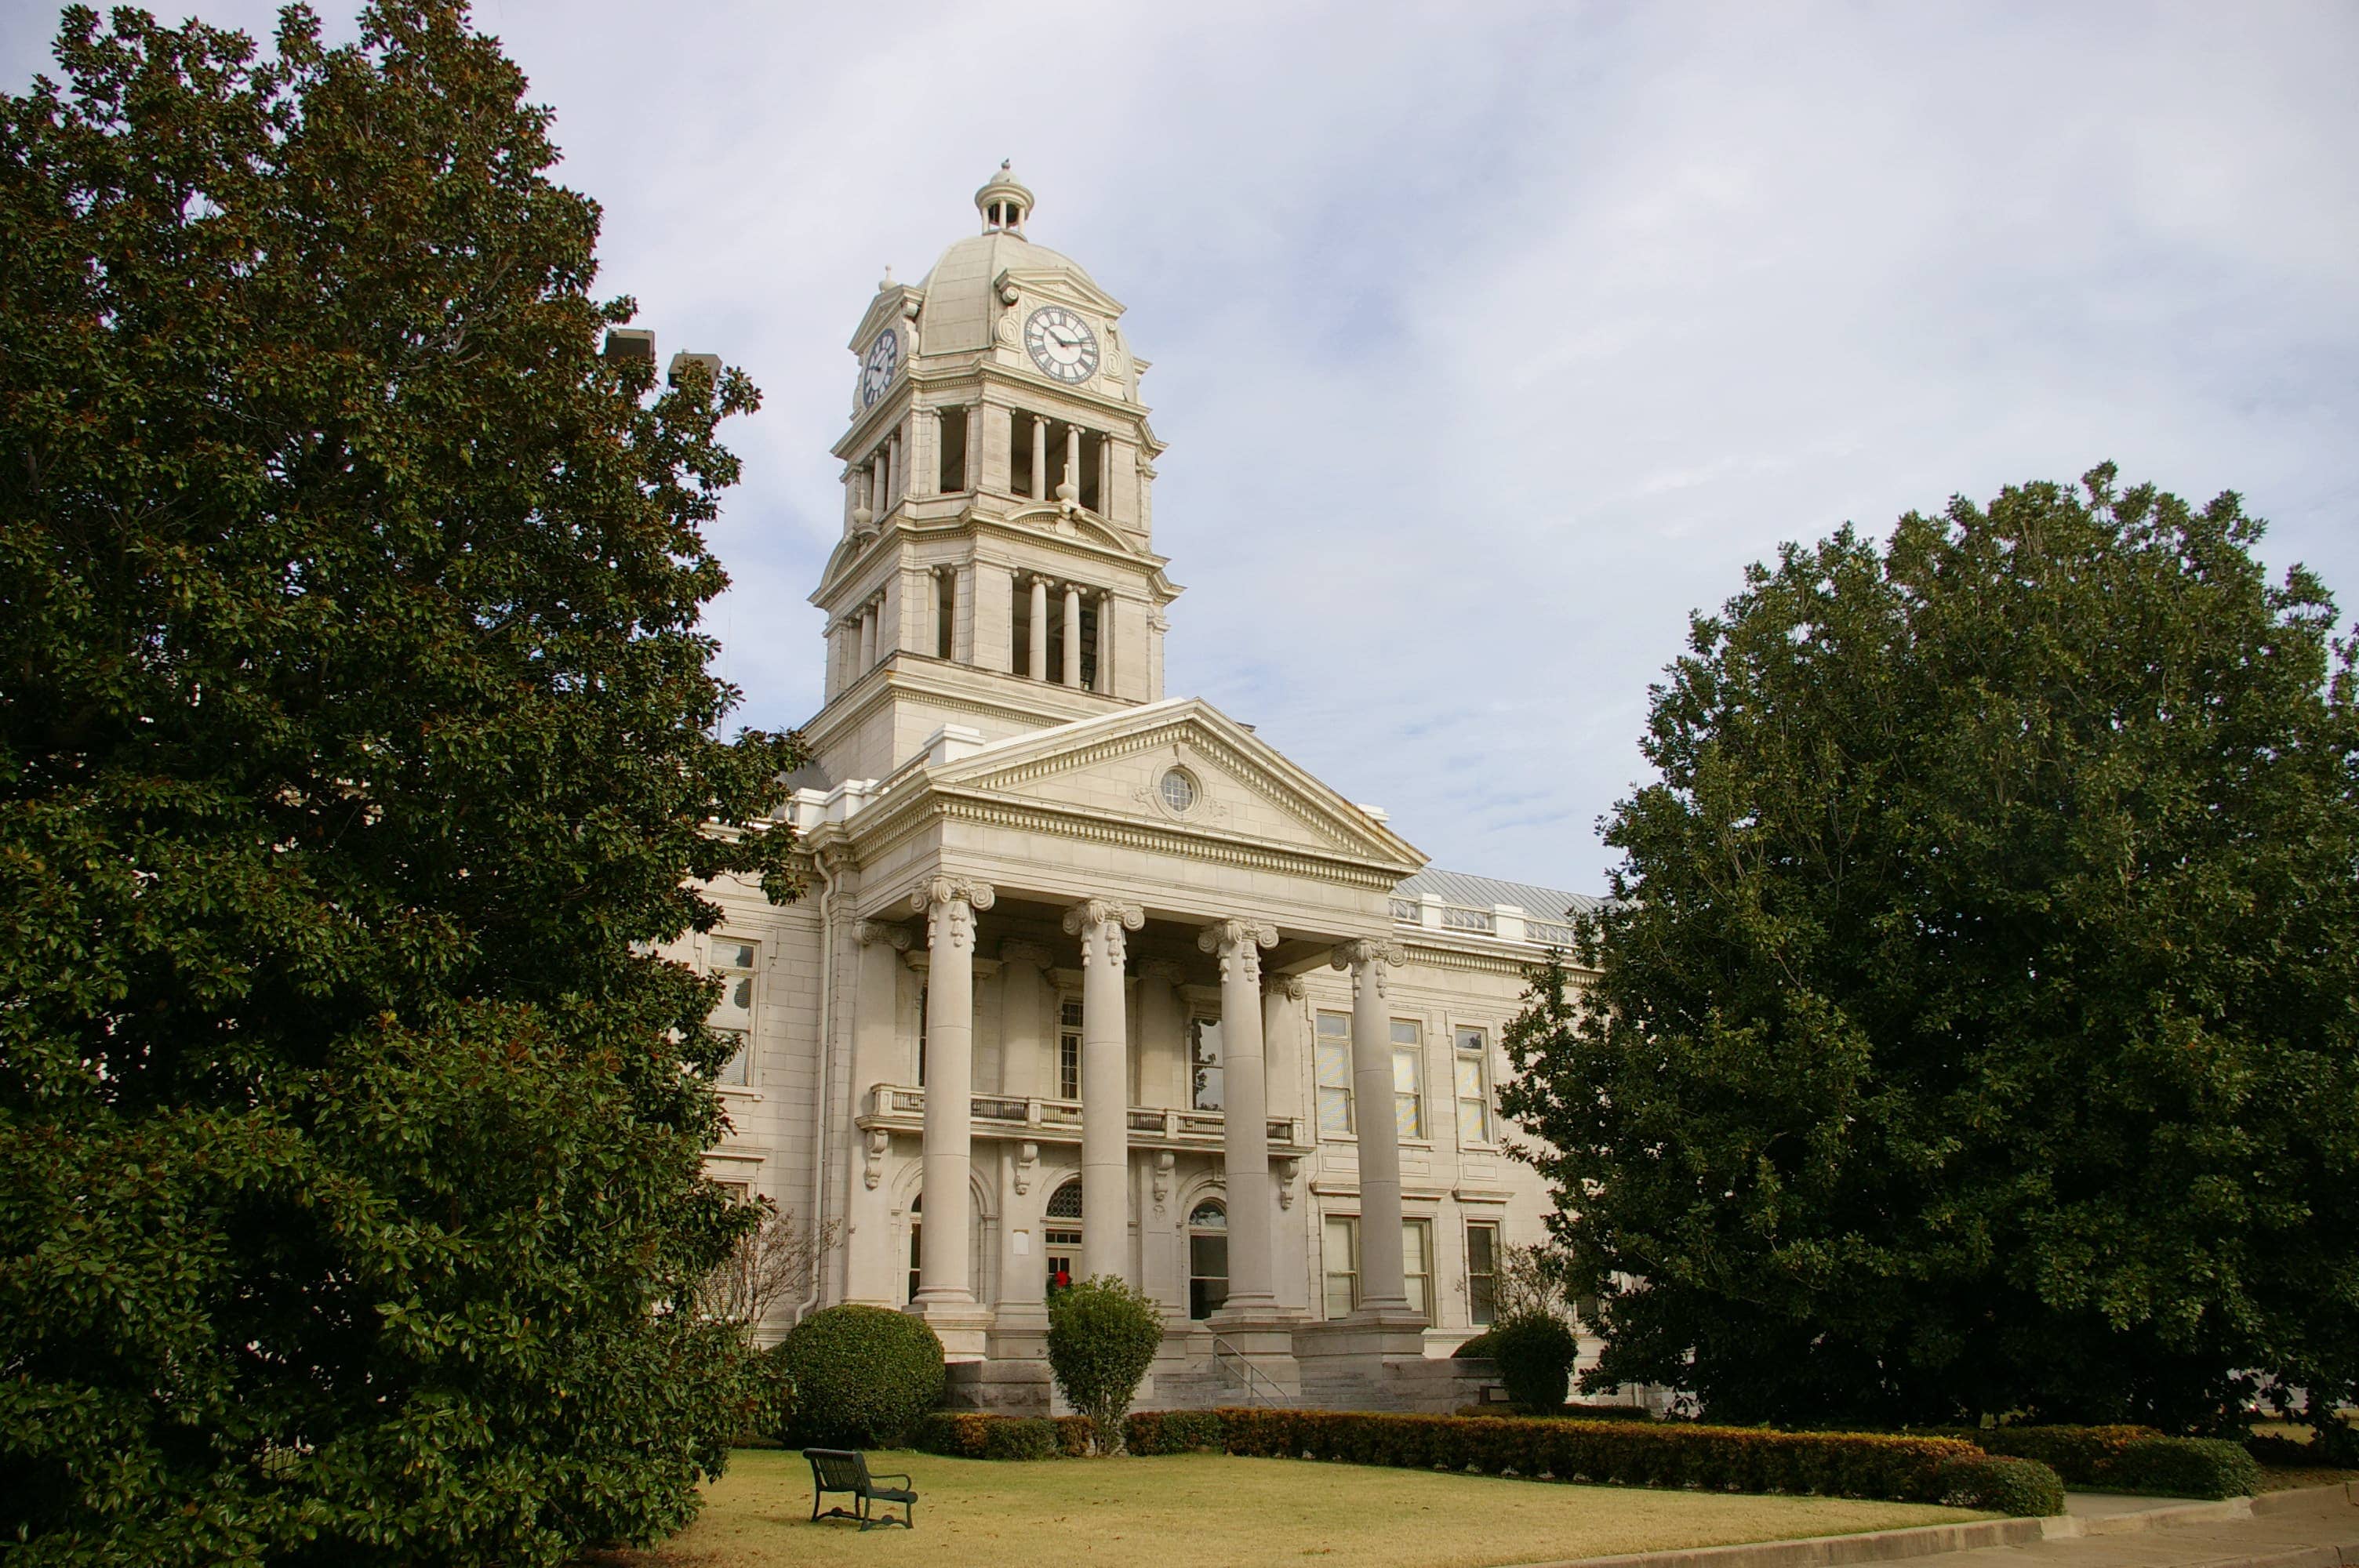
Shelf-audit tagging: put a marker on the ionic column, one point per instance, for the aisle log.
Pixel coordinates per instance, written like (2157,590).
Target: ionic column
(1384,1285)
(1073,635)
(867,638)
(1105,1113)
(949,904)
(1069,490)
(1040,462)
(1040,665)
(1253,1275)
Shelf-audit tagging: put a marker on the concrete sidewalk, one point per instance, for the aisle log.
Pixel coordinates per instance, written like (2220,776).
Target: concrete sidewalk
(2315,1527)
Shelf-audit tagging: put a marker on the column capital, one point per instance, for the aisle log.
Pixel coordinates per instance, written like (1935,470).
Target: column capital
(1290,987)
(1098,911)
(871,931)
(1013,952)
(1363,951)
(1224,934)
(949,890)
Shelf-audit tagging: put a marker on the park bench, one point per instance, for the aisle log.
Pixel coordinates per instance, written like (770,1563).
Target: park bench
(845,1470)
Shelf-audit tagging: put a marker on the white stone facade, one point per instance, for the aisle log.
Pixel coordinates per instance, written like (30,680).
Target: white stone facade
(1151,955)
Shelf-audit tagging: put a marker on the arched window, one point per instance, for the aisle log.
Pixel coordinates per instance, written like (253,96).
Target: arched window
(1208,1258)
(1061,1236)
(916,1204)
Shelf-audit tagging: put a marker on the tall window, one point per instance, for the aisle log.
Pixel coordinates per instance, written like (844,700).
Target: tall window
(1417,1265)
(1020,631)
(1069,1054)
(921,1037)
(1474,1067)
(945,613)
(1343,1265)
(1208,1259)
(951,474)
(1061,1236)
(1408,1077)
(1334,1052)
(1482,1270)
(916,1204)
(734,962)
(1204,1084)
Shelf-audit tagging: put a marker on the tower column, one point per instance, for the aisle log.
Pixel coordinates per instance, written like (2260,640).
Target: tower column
(1244,1115)
(1384,1285)
(1039,459)
(1073,635)
(1040,665)
(897,476)
(1104,685)
(867,639)
(1105,1113)
(949,904)
(1068,488)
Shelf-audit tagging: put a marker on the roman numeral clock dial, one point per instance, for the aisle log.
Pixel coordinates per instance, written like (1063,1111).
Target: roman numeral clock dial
(1061,344)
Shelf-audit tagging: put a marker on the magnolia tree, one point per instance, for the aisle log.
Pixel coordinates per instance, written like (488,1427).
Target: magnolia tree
(1102,1337)
(358,759)
(1972,1030)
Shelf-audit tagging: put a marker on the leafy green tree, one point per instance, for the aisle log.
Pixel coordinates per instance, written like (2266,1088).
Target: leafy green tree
(355,741)
(1975,1025)
(1102,1337)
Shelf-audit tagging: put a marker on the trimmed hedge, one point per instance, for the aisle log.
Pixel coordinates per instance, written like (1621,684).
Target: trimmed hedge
(1737,1459)
(862,1377)
(2000,1483)
(976,1434)
(1575,1411)
(2136,1459)
(1174,1431)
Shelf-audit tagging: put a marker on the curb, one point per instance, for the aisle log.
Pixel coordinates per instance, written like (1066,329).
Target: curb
(1833,1551)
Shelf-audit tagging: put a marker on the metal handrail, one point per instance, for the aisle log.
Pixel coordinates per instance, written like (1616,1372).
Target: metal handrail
(1276,1394)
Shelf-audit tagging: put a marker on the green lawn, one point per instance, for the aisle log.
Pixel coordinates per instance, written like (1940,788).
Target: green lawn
(1206,1510)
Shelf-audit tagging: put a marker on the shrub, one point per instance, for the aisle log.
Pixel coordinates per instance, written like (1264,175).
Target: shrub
(863,1376)
(1633,1453)
(1535,1357)
(1479,1346)
(1999,1483)
(773,1407)
(2185,1467)
(1172,1431)
(2134,1459)
(1102,1337)
(2284,1452)
(1606,1413)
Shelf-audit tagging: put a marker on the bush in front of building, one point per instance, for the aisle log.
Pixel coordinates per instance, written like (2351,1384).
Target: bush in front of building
(863,1376)
(1536,1353)
(1102,1337)
(1633,1453)
(774,1394)
(1476,1348)
(1174,1431)
(1999,1483)
(2136,1459)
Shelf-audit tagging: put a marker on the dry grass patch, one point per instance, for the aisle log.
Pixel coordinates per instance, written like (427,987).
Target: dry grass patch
(1208,1510)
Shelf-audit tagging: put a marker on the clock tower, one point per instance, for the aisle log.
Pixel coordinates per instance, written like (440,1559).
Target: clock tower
(996,573)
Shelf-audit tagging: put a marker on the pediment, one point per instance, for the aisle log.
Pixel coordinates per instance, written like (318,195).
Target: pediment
(1058,284)
(1242,789)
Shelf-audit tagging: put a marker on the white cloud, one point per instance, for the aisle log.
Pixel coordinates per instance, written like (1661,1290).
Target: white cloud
(1490,340)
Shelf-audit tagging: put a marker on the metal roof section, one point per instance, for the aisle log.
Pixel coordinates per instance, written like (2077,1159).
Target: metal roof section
(1470,892)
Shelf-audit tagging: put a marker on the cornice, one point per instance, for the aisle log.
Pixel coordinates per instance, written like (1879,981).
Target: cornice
(1430,954)
(956,694)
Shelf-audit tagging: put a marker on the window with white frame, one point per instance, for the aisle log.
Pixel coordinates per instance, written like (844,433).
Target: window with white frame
(1343,1264)
(1061,1233)
(1208,1258)
(734,962)
(1334,1066)
(1204,1082)
(1416,1265)
(1472,1065)
(1069,1051)
(1408,1077)
(1482,1270)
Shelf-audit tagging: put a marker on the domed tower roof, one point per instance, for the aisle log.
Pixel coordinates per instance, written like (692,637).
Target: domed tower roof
(958,310)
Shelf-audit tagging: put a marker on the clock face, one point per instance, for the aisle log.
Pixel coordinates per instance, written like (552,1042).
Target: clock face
(1061,344)
(876,370)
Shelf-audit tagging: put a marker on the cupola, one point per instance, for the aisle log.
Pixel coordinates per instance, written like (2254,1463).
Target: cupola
(1004,202)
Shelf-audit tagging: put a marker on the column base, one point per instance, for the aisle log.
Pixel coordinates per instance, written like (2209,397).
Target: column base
(1374,1332)
(962,1326)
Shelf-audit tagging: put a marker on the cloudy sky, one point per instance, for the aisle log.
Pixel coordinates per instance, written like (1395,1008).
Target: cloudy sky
(1492,340)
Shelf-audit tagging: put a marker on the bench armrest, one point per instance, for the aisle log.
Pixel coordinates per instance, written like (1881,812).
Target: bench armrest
(894,1477)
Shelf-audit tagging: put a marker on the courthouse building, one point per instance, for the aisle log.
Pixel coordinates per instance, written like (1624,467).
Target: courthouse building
(1090,979)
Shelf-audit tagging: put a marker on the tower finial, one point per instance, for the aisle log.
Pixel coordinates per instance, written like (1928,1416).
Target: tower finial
(1003,202)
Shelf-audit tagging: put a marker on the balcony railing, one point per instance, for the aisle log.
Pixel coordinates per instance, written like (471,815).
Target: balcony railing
(901,1107)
